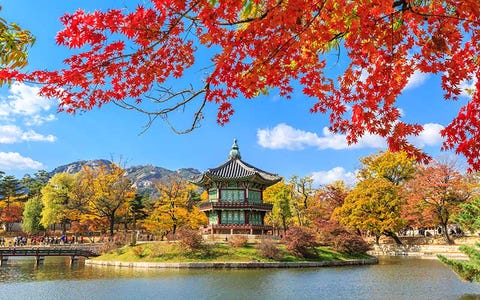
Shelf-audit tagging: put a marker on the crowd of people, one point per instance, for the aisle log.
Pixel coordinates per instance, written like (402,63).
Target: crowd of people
(44,240)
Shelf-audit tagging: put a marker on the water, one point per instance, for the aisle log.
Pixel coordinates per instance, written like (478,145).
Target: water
(392,278)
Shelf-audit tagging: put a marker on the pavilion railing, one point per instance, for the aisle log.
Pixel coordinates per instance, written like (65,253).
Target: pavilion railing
(235,205)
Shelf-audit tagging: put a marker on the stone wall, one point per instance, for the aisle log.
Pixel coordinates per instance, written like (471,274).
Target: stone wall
(417,250)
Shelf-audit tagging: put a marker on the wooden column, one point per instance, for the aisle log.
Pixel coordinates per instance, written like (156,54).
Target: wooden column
(3,260)
(39,259)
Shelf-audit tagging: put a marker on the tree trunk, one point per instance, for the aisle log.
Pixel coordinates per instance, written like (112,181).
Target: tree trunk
(446,236)
(393,236)
(377,239)
(284,223)
(112,223)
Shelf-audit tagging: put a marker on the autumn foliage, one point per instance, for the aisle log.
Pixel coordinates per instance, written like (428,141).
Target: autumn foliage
(300,241)
(246,48)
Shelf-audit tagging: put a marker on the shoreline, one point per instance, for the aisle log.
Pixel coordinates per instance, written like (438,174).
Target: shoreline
(420,251)
(232,265)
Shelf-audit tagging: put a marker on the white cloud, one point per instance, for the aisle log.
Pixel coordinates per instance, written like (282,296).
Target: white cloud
(284,136)
(14,161)
(39,120)
(10,134)
(430,136)
(335,174)
(24,101)
(416,80)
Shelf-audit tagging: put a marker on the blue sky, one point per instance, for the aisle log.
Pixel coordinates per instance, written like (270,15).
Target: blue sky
(274,134)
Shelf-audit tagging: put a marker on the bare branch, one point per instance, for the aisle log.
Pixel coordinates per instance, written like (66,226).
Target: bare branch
(179,99)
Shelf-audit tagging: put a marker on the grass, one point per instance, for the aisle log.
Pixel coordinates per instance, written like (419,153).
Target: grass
(219,252)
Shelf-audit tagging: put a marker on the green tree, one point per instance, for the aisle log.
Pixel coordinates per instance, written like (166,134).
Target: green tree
(469,215)
(36,183)
(137,208)
(467,270)
(32,215)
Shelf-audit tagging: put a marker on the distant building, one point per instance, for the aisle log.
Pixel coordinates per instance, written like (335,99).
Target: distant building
(235,196)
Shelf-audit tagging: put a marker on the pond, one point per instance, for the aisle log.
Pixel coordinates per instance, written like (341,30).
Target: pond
(392,278)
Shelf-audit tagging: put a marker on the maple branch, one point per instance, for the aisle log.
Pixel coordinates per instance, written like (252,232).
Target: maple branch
(249,20)
(405,6)
(167,95)
(243,21)
(289,42)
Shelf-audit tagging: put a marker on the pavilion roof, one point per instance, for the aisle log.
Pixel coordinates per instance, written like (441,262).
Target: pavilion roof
(236,169)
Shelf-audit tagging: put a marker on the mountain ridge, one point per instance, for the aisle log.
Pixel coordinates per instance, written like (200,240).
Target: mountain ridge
(142,176)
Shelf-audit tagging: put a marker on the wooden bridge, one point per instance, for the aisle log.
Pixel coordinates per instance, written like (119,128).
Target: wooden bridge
(41,252)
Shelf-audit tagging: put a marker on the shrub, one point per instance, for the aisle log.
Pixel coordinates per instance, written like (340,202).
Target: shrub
(238,241)
(332,234)
(157,250)
(107,247)
(189,239)
(113,243)
(138,251)
(120,239)
(268,249)
(350,243)
(300,241)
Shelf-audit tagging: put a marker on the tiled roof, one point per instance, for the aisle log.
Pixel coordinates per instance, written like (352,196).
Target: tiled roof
(236,168)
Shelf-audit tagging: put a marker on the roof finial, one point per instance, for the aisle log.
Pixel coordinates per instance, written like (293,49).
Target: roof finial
(234,153)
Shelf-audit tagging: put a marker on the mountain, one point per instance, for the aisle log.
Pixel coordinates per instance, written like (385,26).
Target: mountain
(143,177)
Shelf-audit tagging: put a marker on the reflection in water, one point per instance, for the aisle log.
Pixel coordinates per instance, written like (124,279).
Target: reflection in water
(392,278)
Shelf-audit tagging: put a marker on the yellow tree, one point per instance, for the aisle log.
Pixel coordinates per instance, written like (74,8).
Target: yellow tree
(172,209)
(61,203)
(109,191)
(302,194)
(280,195)
(14,43)
(381,179)
(373,205)
(396,167)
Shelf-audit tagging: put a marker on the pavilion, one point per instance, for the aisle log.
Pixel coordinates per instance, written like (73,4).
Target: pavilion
(235,196)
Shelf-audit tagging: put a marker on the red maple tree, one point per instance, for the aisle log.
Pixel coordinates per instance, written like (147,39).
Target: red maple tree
(127,57)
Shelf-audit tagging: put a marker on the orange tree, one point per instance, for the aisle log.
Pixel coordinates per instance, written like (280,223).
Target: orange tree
(435,194)
(130,57)
(12,196)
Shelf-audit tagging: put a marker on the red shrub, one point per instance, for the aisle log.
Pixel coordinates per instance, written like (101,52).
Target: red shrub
(300,241)
(268,249)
